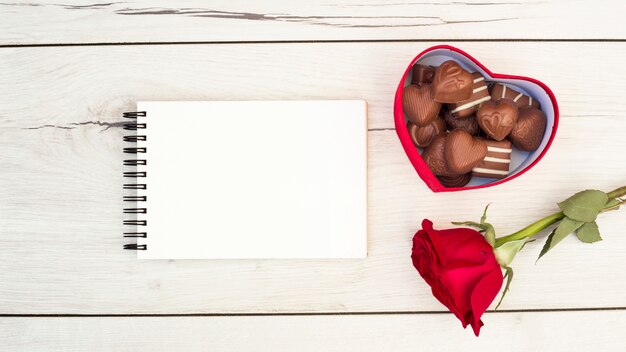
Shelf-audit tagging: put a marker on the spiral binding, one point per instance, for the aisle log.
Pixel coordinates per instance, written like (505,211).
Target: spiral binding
(136,225)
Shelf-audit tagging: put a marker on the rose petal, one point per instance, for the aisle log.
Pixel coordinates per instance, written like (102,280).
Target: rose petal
(462,245)
(423,256)
(441,293)
(484,293)
(460,283)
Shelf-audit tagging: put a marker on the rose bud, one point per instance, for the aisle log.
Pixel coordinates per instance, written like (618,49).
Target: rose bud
(461,268)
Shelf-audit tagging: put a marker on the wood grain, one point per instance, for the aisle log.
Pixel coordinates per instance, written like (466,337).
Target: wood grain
(557,331)
(75,21)
(60,173)
(60,200)
(94,85)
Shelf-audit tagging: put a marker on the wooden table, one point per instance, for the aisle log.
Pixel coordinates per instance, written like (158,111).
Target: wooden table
(69,69)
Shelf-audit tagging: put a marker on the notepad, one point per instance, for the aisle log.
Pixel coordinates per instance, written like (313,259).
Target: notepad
(247,179)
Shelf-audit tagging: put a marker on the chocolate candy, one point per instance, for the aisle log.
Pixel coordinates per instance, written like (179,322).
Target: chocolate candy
(498,118)
(501,91)
(418,104)
(468,124)
(497,161)
(449,98)
(455,181)
(527,133)
(480,94)
(452,83)
(423,136)
(422,74)
(462,152)
(433,156)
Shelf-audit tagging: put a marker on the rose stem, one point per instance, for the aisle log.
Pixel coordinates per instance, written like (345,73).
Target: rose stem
(616,193)
(537,226)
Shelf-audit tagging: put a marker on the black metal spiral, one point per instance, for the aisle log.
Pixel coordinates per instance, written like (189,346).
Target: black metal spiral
(136,247)
(136,225)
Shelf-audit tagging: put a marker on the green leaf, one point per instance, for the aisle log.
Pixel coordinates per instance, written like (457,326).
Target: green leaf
(584,206)
(490,231)
(566,226)
(484,217)
(470,223)
(509,277)
(508,250)
(589,233)
(613,204)
(490,235)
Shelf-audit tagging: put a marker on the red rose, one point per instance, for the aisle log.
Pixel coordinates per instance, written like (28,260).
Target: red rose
(461,269)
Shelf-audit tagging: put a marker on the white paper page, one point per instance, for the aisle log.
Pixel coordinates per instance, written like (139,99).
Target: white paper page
(256,179)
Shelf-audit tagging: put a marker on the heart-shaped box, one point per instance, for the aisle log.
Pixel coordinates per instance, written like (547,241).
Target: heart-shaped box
(520,161)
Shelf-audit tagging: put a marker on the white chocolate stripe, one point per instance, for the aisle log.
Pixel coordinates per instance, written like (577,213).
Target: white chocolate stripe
(479,79)
(470,104)
(498,150)
(479,89)
(530,100)
(518,96)
(489,171)
(503,91)
(497,160)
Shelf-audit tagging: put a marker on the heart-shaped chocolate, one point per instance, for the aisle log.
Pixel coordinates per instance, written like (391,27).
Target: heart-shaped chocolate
(498,118)
(468,124)
(463,152)
(422,74)
(423,136)
(452,83)
(527,133)
(480,94)
(434,157)
(419,106)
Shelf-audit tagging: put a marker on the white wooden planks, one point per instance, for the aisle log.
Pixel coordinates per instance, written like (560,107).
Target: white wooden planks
(516,332)
(75,21)
(60,200)
(60,173)
(65,85)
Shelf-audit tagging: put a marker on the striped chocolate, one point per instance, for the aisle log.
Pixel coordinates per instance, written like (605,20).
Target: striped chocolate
(497,161)
(500,91)
(480,95)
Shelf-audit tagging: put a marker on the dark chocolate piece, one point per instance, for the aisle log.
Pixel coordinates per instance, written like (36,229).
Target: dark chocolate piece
(497,161)
(418,104)
(501,91)
(455,181)
(452,83)
(497,119)
(527,133)
(423,136)
(480,94)
(422,74)
(462,152)
(468,124)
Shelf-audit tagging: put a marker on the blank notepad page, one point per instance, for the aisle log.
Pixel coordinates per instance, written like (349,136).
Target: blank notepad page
(255,179)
